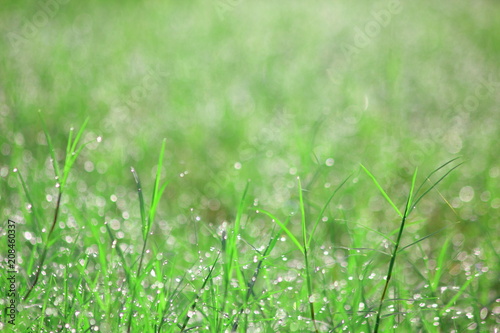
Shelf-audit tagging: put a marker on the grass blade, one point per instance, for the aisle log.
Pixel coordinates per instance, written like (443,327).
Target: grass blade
(320,216)
(285,229)
(394,253)
(382,191)
(142,207)
(69,161)
(193,306)
(435,184)
(52,152)
(306,256)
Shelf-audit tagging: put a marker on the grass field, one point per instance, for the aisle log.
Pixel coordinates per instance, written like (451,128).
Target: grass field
(249,166)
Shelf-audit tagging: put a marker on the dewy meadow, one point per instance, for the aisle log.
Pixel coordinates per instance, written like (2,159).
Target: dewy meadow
(247,166)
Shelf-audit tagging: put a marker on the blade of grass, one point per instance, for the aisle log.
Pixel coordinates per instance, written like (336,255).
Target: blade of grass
(457,295)
(436,183)
(394,253)
(284,228)
(439,266)
(251,283)
(146,221)
(410,205)
(51,147)
(382,190)
(157,191)
(320,215)
(197,297)
(230,251)
(422,239)
(306,256)
(432,173)
(71,157)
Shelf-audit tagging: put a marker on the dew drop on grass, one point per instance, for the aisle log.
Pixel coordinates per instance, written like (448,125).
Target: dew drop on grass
(280,314)
(314,298)
(99,139)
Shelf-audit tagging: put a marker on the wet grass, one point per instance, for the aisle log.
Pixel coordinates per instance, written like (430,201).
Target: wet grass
(273,153)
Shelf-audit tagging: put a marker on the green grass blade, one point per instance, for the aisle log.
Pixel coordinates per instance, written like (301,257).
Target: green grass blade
(382,190)
(394,253)
(79,135)
(142,207)
(440,265)
(157,191)
(51,147)
(68,144)
(432,173)
(285,229)
(422,239)
(320,216)
(435,184)
(306,256)
(302,215)
(197,297)
(231,245)
(410,197)
(457,295)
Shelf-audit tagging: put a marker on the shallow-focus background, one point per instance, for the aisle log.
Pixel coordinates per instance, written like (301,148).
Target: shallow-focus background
(266,91)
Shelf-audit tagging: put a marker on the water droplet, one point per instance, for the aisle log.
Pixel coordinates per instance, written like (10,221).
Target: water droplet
(14,170)
(466,194)
(329,162)
(99,139)
(314,298)
(237,165)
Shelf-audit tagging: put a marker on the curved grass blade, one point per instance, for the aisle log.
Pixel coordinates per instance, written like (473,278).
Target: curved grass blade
(193,306)
(435,183)
(285,229)
(324,208)
(395,252)
(71,155)
(382,191)
(306,256)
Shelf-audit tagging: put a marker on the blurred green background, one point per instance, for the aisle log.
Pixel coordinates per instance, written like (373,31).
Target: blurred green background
(258,90)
